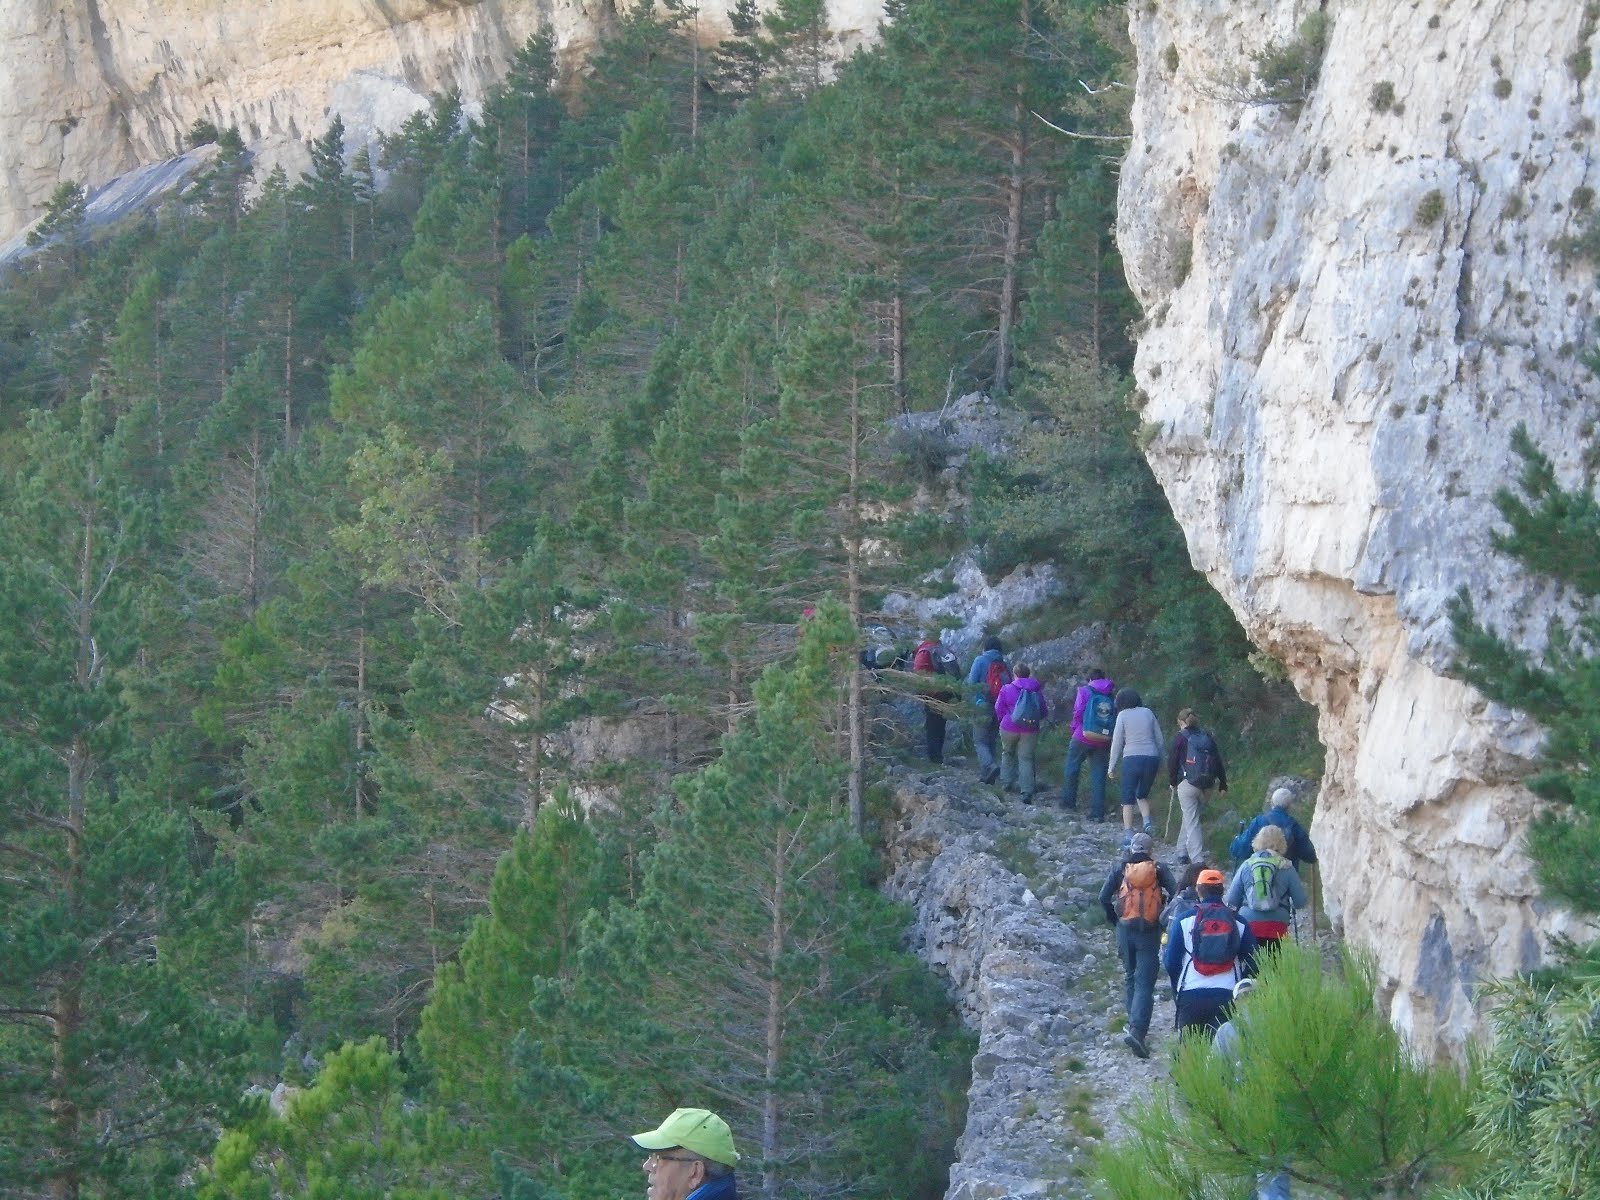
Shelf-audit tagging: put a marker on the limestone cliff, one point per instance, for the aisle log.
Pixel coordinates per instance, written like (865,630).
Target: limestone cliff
(1350,303)
(92,90)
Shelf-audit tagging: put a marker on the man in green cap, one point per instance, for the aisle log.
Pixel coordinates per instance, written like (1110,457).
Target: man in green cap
(691,1157)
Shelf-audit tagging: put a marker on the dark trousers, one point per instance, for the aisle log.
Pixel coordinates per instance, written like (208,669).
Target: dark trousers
(986,739)
(1140,952)
(1203,1008)
(1098,758)
(933,728)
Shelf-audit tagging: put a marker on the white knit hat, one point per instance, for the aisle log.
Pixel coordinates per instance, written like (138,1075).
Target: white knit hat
(1282,798)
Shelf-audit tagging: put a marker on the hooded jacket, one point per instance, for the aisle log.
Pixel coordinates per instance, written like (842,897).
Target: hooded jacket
(1008,701)
(978,677)
(1106,688)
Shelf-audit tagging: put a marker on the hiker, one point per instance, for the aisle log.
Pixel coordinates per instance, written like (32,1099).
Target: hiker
(1136,744)
(691,1157)
(1184,901)
(1207,953)
(1266,889)
(1132,897)
(1300,851)
(1020,710)
(933,658)
(1093,715)
(1231,1047)
(1194,767)
(988,675)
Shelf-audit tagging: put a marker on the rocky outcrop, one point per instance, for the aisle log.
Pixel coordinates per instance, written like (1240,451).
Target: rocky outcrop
(1350,303)
(1006,910)
(93,90)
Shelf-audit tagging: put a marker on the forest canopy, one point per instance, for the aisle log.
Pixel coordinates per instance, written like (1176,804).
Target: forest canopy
(347,519)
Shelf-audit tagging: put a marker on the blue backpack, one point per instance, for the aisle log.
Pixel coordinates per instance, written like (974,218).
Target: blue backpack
(1099,716)
(1027,711)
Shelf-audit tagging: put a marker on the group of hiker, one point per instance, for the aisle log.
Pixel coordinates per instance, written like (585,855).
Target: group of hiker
(1208,932)
(1207,928)
(1113,733)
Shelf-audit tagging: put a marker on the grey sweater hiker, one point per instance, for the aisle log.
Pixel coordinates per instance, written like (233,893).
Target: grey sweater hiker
(1136,733)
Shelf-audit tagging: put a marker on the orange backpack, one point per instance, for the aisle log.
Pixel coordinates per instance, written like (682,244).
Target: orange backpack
(1139,897)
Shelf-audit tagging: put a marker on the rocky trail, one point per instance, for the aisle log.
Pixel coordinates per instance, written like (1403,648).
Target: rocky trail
(1007,910)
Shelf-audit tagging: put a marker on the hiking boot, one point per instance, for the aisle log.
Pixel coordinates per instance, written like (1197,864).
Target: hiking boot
(991,775)
(1150,828)
(1027,797)
(1135,1043)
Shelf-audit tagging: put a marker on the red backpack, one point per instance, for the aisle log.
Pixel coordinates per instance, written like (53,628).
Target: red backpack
(1214,938)
(997,677)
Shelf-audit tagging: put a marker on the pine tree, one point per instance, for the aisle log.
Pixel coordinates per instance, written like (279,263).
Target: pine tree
(115,1065)
(65,214)
(348,1136)
(1324,1091)
(545,885)
(756,908)
(1552,532)
(1534,1111)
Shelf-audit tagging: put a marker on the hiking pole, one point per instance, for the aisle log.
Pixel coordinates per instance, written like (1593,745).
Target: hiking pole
(1311,894)
(1172,798)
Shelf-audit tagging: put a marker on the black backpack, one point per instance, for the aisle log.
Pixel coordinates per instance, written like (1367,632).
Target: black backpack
(1199,758)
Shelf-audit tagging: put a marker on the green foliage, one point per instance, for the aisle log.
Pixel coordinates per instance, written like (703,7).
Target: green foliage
(1552,532)
(1323,1089)
(416,495)
(64,215)
(348,1136)
(1430,208)
(1286,73)
(760,953)
(1535,1111)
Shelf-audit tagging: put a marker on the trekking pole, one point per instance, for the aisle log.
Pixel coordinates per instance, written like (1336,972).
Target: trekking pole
(1311,894)
(1172,798)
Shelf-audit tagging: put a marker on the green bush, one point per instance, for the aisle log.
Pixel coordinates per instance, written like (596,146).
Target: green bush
(1287,74)
(1324,1091)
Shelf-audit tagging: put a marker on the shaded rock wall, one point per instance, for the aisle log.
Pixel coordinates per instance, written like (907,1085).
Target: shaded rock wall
(1349,307)
(92,90)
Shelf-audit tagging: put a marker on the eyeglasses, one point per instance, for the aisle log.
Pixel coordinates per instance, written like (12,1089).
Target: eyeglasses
(652,1159)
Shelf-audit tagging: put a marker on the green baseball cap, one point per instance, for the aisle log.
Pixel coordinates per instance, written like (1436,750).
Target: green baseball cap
(695,1129)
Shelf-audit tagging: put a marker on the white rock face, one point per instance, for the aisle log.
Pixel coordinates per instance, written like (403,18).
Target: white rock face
(1350,307)
(91,89)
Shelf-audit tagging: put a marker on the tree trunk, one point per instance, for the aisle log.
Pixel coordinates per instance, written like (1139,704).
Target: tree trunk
(774,1048)
(361,714)
(1015,195)
(530,812)
(853,713)
(288,374)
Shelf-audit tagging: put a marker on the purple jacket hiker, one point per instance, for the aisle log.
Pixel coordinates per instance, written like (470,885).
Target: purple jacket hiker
(1106,688)
(1008,700)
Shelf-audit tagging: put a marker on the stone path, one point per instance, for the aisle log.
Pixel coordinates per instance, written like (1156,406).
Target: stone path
(1007,910)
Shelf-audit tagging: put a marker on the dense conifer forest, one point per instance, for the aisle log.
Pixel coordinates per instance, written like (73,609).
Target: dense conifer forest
(359,529)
